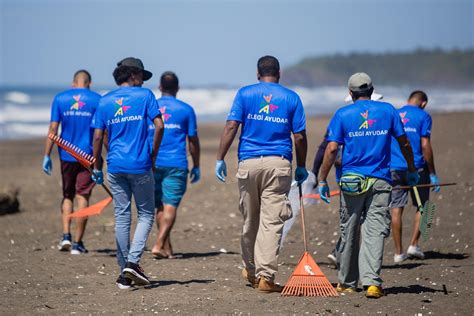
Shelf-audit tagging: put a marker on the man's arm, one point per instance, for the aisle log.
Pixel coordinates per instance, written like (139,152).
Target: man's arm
(407,152)
(428,154)
(194,150)
(97,148)
(53,129)
(301,148)
(329,158)
(157,137)
(227,137)
(318,158)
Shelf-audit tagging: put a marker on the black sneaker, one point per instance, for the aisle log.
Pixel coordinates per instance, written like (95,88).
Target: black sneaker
(123,283)
(136,273)
(78,248)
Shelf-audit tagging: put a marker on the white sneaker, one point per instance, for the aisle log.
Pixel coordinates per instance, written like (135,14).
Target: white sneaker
(332,259)
(400,258)
(415,251)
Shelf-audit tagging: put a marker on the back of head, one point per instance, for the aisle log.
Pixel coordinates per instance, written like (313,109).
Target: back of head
(169,83)
(123,73)
(268,66)
(418,98)
(82,79)
(360,86)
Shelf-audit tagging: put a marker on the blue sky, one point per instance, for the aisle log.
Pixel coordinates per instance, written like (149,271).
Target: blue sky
(212,42)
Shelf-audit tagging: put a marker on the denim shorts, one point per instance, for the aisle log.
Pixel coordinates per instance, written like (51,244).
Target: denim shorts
(170,185)
(400,197)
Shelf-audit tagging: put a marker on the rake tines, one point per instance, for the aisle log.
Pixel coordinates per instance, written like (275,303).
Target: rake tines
(308,280)
(426,220)
(82,157)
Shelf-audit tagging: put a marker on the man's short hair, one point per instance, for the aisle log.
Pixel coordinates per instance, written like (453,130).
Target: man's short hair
(123,73)
(169,82)
(268,66)
(82,72)
(367,93)
(420,95)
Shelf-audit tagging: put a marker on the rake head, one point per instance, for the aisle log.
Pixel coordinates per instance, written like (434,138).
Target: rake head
(82,157)
(308,280)
(94,209)
(427,216)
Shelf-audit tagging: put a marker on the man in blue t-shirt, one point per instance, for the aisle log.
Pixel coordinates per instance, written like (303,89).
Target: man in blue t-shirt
(124,113)
(318,160)
(417,124)
(73,109)
(364,129)
(269,113)
(171,173)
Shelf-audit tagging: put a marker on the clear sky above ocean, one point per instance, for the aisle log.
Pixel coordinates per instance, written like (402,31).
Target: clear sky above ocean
(212,42)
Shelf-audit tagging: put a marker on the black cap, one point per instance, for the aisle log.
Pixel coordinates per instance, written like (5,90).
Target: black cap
(135,63)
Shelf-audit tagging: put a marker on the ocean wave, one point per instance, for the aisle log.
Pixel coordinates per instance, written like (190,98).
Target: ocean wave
(17,97)
(25,114)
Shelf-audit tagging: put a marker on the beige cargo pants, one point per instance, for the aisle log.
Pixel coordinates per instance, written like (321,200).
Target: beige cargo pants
(264,184)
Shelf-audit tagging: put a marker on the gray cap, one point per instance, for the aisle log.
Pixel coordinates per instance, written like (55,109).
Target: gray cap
(359,82)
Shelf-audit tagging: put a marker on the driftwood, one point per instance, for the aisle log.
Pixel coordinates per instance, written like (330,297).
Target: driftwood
(9,202)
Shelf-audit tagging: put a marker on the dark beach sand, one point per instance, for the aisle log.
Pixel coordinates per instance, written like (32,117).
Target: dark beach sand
(36,278)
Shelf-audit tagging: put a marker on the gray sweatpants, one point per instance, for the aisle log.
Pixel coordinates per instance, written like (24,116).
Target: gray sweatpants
(368,215)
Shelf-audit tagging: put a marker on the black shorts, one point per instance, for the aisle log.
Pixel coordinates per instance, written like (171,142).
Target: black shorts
(76,180)
(400,197)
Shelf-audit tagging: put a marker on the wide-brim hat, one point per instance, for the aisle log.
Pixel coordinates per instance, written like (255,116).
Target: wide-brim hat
(136,63)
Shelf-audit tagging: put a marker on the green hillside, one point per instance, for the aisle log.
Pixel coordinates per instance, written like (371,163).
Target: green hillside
(422,68)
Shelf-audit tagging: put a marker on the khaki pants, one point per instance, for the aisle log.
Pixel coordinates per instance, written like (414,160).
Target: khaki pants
(264,184)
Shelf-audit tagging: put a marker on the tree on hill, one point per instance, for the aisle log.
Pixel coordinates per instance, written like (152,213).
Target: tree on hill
(421,67)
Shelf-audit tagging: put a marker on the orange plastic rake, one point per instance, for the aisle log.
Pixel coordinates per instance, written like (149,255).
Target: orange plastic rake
(86,161)
(94,209)
(307,279)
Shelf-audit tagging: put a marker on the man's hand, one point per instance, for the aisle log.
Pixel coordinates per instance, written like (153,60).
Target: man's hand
(97,176)
(324,191)
(434,180)
(195,175)
(221,170)
(301,174)
(413,178)
(47,165)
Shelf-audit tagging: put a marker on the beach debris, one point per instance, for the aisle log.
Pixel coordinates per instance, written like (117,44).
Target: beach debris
(9,202)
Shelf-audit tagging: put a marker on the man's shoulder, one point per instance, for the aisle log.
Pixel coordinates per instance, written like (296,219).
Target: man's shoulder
(66,94)
(258,88)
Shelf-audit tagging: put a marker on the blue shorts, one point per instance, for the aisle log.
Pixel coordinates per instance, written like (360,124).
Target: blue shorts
(170,185)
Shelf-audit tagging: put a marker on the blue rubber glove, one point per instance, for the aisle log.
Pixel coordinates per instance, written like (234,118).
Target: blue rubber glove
(301,174)
(47,165)
(221,170)
(97,176)
(434,180)
(324,191)
(413,178)
(195,174)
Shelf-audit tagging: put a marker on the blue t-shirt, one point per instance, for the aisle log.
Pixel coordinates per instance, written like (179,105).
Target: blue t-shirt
(124,112)
(365,129)
(269,113)
(417,124)
(74,109)
(180,121)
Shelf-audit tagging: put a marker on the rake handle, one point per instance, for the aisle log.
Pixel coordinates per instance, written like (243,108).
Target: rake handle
(407,187)
(300,191)
(418,200)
